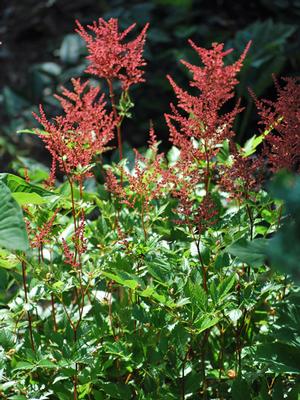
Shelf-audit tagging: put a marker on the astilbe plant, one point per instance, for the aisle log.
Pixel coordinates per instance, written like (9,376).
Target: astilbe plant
(84,130)
(111,56)
(145,183)
(203,119)
(283,116)
(151,282)
(115,59)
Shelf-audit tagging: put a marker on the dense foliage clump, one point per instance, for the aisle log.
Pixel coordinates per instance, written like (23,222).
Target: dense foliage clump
(149,278)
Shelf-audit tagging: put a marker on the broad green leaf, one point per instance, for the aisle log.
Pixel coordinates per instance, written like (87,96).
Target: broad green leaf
(70,49)
(13,235)
(252,252)
(225,286)
(279,357)
(240,390)
(197,295)
(47,364)
(24,365)
(8,260)
(24,198)
(19,185)
(235,315)
(206,321)
(123,279)
(284,247)
(173,155)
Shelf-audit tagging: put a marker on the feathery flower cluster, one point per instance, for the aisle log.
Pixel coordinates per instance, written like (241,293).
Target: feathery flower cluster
(243,176)
(283,117)
(82,132)
(145,183)
(112,58)
(43,233)
(69,255)
(198,215)
(72,257)
(203,121)
(202,129)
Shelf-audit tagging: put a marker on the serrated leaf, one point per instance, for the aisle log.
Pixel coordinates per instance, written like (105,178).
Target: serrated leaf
(47,364)
(205,322)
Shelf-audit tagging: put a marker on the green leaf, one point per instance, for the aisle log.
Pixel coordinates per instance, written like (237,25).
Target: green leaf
(47,364)
(197,296)
(279,357)
(173,155)
(13,235)
(118,391)
(251,252)
(284,248)
(23,198)
(33,131)
(225,286)
(240,390)
(24,365)
(235,315)
(13,103)
(206,321)
(8,260)
(19,185)
(123,279)
(71,48)
(251,144)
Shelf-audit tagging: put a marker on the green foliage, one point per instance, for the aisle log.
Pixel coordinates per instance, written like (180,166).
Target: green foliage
(147,314)
(13,234)
(284,248)
(111,293)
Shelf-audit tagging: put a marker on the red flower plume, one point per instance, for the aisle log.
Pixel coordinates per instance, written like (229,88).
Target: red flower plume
(112,58)
(83,131)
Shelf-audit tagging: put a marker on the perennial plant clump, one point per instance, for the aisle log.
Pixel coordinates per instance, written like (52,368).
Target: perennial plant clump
(149,278)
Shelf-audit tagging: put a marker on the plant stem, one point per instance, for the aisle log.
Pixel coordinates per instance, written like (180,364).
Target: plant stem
(143,221)
(250,219)
(183,382)
(75,378)
(26,300)
(203,358)
(53,312)
(203,267)
(115,111)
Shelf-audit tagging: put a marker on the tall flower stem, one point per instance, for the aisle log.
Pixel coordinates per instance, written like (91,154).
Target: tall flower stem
(143,221)
(53,312)
(115,111)
(26,301)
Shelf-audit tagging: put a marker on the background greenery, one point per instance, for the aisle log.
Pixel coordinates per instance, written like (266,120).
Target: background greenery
(39,54)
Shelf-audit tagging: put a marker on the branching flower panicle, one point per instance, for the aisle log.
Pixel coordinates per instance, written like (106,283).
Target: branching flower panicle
(243,176)
(110,56)
(147,180)
(84,130)
(42,234)
(203,121)
(283,118)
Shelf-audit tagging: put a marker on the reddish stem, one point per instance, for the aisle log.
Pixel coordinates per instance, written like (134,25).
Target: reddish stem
(53,312)
(26,300)
(115,111)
